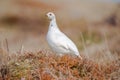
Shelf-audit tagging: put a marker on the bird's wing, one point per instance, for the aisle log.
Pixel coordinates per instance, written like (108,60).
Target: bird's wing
(61,41)
(64,42)
(70,45)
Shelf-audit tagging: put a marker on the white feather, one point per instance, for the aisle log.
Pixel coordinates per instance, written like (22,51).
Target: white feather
(57,40)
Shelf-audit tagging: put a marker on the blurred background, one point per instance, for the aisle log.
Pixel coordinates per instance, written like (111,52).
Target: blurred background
(94,25)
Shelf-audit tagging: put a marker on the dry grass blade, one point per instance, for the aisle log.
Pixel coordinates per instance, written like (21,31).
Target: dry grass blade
(7,45)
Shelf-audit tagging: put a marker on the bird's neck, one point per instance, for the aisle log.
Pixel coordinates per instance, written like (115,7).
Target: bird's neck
(53,25)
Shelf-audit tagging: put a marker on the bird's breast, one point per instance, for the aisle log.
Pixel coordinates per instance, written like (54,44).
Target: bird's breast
(51,38)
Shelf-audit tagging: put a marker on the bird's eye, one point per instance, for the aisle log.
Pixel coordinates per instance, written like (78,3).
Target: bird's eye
(50,14)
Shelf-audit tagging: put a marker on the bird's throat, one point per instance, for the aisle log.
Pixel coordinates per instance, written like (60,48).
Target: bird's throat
(53,24)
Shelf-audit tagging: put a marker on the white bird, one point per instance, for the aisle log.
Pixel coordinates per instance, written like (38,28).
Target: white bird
(57,40)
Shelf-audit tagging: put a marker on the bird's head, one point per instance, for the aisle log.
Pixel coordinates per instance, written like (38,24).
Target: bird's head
(51,15)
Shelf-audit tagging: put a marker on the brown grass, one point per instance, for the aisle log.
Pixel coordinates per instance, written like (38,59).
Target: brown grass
(45,65)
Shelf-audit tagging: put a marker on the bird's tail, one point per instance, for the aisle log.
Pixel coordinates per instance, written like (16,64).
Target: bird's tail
(80,57)
(78,54)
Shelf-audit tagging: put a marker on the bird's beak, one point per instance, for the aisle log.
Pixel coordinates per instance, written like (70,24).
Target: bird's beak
(47,18)
(47,15)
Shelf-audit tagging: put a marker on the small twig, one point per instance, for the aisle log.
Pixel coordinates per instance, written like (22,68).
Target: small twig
(107,46)
(83,42)
(7,47)
(21,49)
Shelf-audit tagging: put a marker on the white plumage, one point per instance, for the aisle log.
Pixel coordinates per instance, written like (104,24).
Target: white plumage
(57,40)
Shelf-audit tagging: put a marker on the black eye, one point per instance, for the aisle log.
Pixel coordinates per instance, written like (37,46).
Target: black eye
(50,14)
